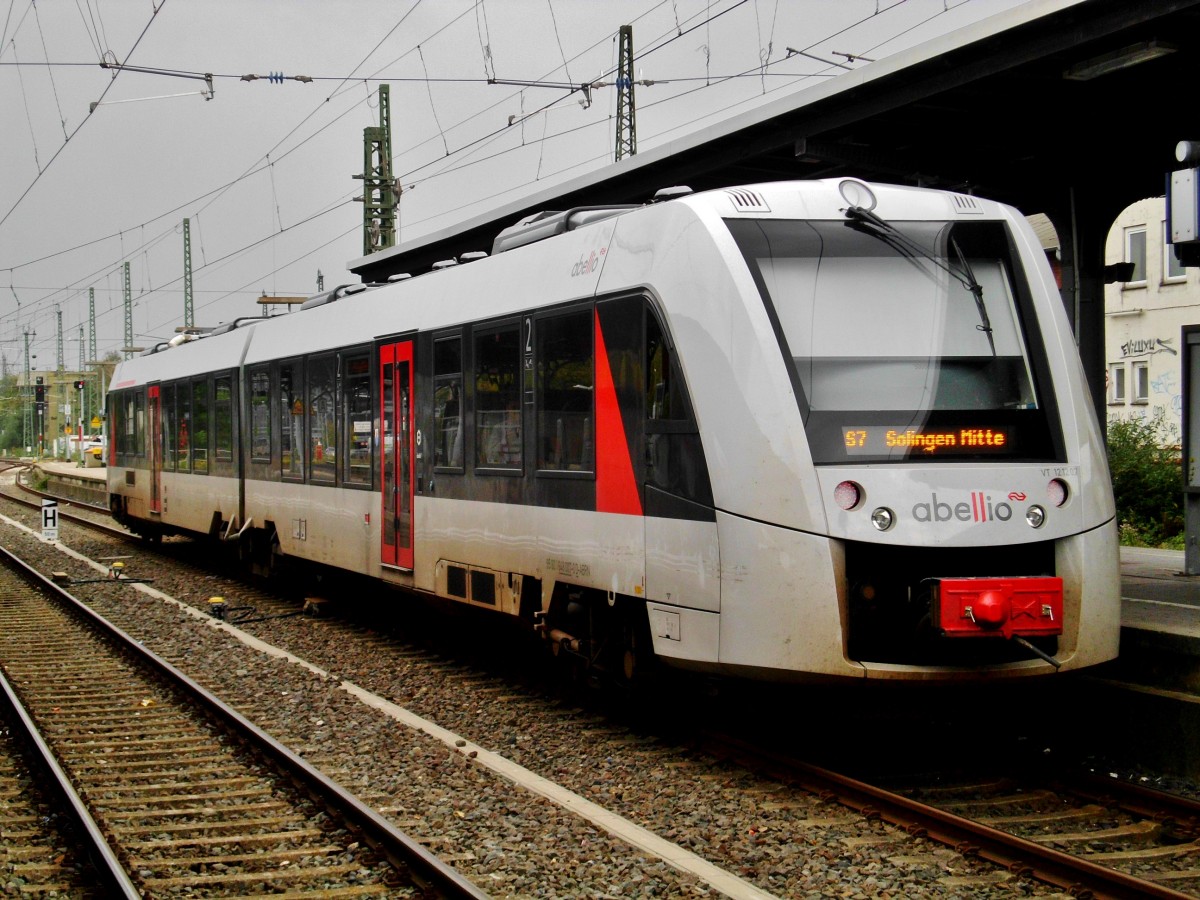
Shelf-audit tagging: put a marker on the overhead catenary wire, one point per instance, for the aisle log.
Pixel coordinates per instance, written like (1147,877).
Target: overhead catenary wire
(289,151)
(42,171)
(456,159)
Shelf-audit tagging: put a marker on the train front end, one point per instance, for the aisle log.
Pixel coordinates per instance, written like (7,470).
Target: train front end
(925,494)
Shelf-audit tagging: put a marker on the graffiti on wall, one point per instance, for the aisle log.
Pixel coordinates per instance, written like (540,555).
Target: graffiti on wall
(1147,347)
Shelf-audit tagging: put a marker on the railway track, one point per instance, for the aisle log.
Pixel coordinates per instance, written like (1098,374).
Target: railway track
(41,850)
(1071,840)
(189,796)
(1092,837)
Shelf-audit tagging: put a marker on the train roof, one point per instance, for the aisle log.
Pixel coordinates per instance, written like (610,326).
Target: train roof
(446,294)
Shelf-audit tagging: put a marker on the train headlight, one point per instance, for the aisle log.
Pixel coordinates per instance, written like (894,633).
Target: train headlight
(883,518)
(1035,516)
(1057,491)
(847,495)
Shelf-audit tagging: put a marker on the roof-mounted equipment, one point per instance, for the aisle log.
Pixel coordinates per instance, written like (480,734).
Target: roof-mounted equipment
(542,225)
(342,290)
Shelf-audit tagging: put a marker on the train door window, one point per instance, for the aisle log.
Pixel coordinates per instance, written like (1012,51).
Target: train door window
(200,435)
(357,413)
(260,415)
(182,397)
(223,425)
(498,399)
(664,396)
(138,437)
(128,422)
(565,378)
(447,403)
(291,420)
(116,422)
(170,425)
(322,419)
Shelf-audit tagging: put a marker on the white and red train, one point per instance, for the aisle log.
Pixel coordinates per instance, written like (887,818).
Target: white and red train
(793,430)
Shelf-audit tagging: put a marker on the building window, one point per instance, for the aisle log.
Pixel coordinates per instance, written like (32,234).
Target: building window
(1135,252)
(1141,382)
(565,378)
(1116,383)
(1173,269)
(498,399)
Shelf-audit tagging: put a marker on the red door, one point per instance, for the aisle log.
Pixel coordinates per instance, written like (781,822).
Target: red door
(156,448)
(399,474)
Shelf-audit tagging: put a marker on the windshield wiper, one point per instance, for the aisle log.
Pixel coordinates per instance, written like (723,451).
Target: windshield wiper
(868,222)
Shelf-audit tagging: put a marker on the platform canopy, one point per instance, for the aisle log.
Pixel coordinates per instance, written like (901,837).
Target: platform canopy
(1071,108)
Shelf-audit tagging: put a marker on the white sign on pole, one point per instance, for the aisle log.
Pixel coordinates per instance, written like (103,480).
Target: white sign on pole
(50,520)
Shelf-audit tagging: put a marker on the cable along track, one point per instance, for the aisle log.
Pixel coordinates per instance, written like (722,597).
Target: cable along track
(192,799)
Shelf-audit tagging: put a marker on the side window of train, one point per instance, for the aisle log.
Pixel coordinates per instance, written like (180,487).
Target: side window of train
(322,419)
(125,434)
(260,415)
(222,425)
(498,414)
(565,379)
(170,426)
(182,398)
(674,454)
(291,420)
(665,400)
(357,413)
(200,435)
(447,404)
(137,423)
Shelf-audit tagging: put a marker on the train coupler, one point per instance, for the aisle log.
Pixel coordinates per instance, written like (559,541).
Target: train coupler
(1015,607)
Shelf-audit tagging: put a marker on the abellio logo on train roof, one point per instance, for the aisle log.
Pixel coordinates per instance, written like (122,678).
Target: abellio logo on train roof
(587,264)
(982,509)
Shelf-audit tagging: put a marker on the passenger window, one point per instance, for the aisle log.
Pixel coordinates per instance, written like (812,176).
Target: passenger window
(138,420)
(181,395)
(260,416)
(322,418)
(498,399)
(291,420)
(565,380)
(447,403)
(169,426)
(357,412)
(200,426)
(223,422)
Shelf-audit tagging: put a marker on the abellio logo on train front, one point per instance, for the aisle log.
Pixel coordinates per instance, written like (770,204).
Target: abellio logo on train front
(982,509)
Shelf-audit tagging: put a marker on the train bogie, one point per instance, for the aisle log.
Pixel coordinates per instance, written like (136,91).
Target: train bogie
(798,430)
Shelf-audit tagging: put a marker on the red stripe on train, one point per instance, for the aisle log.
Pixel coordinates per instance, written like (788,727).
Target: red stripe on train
(616,486)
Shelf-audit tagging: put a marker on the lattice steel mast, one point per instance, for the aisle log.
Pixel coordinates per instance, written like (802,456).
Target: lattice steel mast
(626,114)
(379,192)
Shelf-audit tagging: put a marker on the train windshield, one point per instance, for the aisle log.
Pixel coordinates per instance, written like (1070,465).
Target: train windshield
(907,339)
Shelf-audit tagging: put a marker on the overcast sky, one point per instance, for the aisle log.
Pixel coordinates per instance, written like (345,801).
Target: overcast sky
(265,170)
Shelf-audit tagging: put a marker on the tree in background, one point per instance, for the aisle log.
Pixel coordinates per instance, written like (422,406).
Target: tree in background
(1147,481)
(11,413)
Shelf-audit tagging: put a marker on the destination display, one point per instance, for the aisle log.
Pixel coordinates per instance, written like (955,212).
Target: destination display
(901,440)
